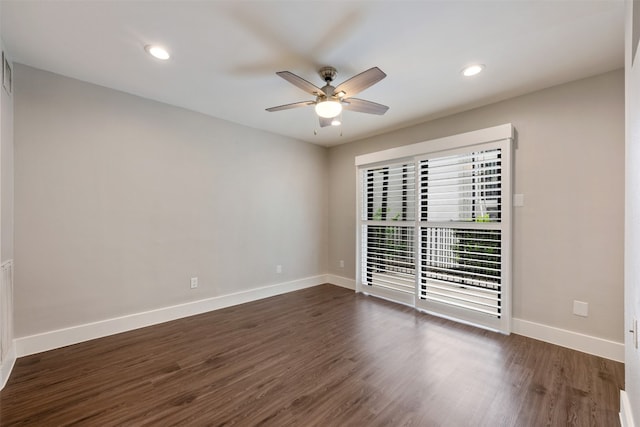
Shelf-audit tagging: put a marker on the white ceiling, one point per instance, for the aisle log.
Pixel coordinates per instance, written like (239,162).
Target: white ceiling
(225,53)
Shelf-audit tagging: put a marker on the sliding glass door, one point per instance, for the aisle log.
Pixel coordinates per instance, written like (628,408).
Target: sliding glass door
(435,230)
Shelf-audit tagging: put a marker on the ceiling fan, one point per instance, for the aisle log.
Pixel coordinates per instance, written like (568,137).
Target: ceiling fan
(331,100)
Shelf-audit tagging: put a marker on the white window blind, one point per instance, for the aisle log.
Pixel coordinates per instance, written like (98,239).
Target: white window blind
(462,267)
(389,193)
(389,257)
(388,227)
(463,187)
(435,226)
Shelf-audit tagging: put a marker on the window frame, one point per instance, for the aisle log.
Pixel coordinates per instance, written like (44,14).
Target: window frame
(500,137)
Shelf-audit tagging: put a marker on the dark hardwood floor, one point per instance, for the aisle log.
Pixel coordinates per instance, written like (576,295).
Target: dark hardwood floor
(318,357)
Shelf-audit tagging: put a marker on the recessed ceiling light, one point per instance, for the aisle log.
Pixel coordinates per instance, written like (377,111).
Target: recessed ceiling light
(157,51)
(472,70)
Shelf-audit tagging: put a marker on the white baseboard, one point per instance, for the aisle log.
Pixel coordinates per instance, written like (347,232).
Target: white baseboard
(7,366)
(562,337)
(341,281)
(626,417)
(50,340)
(586,343)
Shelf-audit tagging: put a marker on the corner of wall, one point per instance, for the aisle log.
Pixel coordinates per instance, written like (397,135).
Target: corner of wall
(626,417)
(343,282)
(7,343)
(7,365)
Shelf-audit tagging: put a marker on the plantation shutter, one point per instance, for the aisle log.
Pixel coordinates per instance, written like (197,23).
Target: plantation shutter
(435,226)
(388,228)
(461,234)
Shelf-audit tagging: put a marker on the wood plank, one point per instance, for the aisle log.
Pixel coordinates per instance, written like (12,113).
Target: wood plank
(318,357)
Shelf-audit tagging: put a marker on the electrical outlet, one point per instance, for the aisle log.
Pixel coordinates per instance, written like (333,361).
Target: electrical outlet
(341,263)
(278,269)
(581,308)
(194,282)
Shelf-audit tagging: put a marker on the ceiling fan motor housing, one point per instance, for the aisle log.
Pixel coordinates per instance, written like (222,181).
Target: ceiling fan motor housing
(328,73)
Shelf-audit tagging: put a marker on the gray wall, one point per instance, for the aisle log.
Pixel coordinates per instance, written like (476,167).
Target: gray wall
(569,164)
(6,178)
(632,213)
(120,200)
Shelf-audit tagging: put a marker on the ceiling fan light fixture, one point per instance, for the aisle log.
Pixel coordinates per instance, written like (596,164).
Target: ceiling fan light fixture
(157,51)
(472,70)
(328,109)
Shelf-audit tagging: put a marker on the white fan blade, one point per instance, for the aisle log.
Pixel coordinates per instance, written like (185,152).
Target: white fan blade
(301,83)
(362,106)
(289,106)
(360,82)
